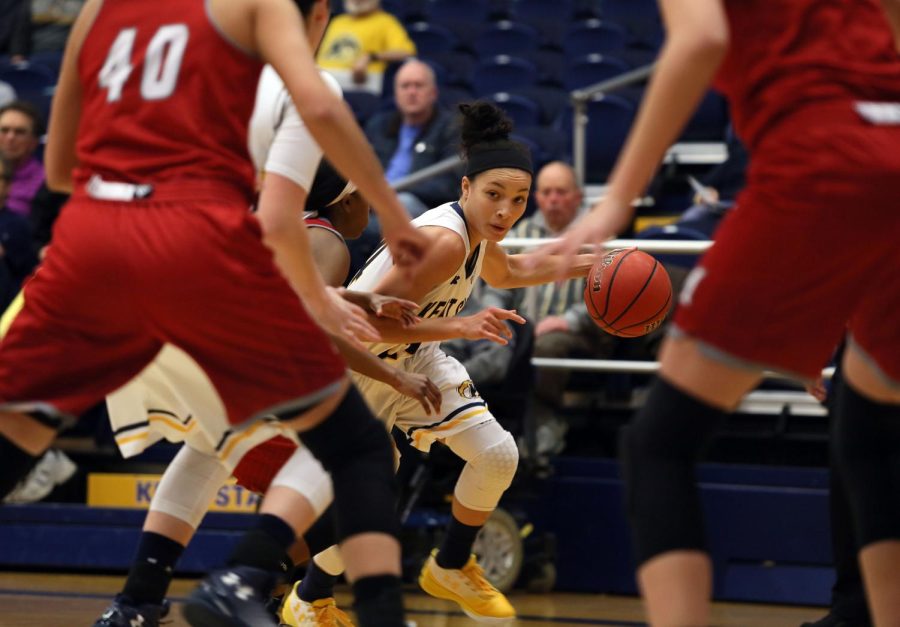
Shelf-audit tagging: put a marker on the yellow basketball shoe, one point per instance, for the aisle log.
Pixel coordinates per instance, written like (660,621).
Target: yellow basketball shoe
(295,612)
(467,587)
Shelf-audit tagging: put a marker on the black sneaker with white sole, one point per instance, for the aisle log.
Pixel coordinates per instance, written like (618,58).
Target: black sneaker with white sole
(232,597)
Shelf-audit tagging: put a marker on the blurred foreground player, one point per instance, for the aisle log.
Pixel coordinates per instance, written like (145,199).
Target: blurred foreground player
(160,189)
(814,89)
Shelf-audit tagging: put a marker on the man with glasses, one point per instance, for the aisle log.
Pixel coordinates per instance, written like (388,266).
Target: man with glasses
(20,131)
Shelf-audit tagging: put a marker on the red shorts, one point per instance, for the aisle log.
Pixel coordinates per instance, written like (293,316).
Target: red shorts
(260,465)
(811,251)
(187,267)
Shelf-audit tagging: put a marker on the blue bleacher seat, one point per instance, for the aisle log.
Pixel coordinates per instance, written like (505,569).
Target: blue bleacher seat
(32,83)
(592,68)
(507,37)
(710,120)
(553,142)
(550,64)
(537,154)
(52,60)
(638,54)
(551,101)
(465,18)
(549,17)
(640,17)
(521,110)
(593,36)
(503,73)
(363,104)
(431,38)
(451,95)
(458,65)
(695,230)
(609,120)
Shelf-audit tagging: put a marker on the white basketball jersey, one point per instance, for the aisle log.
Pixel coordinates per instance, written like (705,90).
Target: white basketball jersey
(445,300)
(278,139)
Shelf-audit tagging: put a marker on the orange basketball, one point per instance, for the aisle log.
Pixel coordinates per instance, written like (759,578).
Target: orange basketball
(628,293)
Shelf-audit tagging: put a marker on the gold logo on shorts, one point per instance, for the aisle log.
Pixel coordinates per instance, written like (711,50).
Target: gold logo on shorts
(467,389)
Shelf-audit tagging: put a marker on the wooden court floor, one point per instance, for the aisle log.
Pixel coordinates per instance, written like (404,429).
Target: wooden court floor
(51,600)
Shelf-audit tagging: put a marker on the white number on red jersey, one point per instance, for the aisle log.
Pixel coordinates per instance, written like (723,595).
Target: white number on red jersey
(161,64)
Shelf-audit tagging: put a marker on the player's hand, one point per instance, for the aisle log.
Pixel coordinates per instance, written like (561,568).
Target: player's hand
(488,324)
(551,324)
(605,220)
(385,306)
(340,317)
(408,245)
(360,69)
(421,388)
(817,390)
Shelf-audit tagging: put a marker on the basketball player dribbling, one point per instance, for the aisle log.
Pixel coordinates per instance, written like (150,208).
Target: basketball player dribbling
(156,248)
(811,251)
(464,236)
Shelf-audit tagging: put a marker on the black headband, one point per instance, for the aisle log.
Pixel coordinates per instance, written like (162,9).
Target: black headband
(501,154)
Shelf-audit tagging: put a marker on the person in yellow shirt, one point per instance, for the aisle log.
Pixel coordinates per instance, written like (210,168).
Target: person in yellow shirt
(360,43)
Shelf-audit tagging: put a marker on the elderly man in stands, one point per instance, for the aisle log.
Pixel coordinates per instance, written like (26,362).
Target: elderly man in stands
(562,327)
(20,132)
(417,134)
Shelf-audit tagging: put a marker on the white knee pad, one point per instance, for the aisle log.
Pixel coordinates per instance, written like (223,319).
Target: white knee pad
(189,485)
(492,457)
(330,561)
(303,474)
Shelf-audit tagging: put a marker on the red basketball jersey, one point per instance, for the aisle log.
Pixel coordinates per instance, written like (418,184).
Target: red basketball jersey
(785,54)
(165,96)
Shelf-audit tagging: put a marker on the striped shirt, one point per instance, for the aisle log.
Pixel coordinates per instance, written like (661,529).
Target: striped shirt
(539,301)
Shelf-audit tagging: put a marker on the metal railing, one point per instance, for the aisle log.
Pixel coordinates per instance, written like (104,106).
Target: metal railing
(580,99)
(765,401)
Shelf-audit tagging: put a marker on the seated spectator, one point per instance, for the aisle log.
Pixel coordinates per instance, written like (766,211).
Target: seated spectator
(718,189)
(16,16)
(360,43)
(44,28)
(20,132)
(17,258)
(418,134)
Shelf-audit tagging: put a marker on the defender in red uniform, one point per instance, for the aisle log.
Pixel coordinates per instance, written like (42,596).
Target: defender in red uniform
(809,254)
(157,247)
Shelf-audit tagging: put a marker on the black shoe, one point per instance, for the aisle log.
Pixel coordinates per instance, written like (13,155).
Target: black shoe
(833,620)
(231,597)
(124,613)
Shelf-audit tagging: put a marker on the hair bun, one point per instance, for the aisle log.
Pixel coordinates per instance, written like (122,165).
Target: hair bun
(483,122)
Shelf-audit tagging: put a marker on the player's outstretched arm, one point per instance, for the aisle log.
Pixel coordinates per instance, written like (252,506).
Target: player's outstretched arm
(65,110)
(280,41)
(413,385)
(696,42)
(487,324)
(505,271)
(286,234)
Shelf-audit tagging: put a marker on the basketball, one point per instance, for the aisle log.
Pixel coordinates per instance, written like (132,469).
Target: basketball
(628,293)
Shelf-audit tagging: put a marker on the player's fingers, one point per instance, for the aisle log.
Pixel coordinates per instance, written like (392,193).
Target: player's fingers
(434,394)
(423,401)
(509,314)
(410,319)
